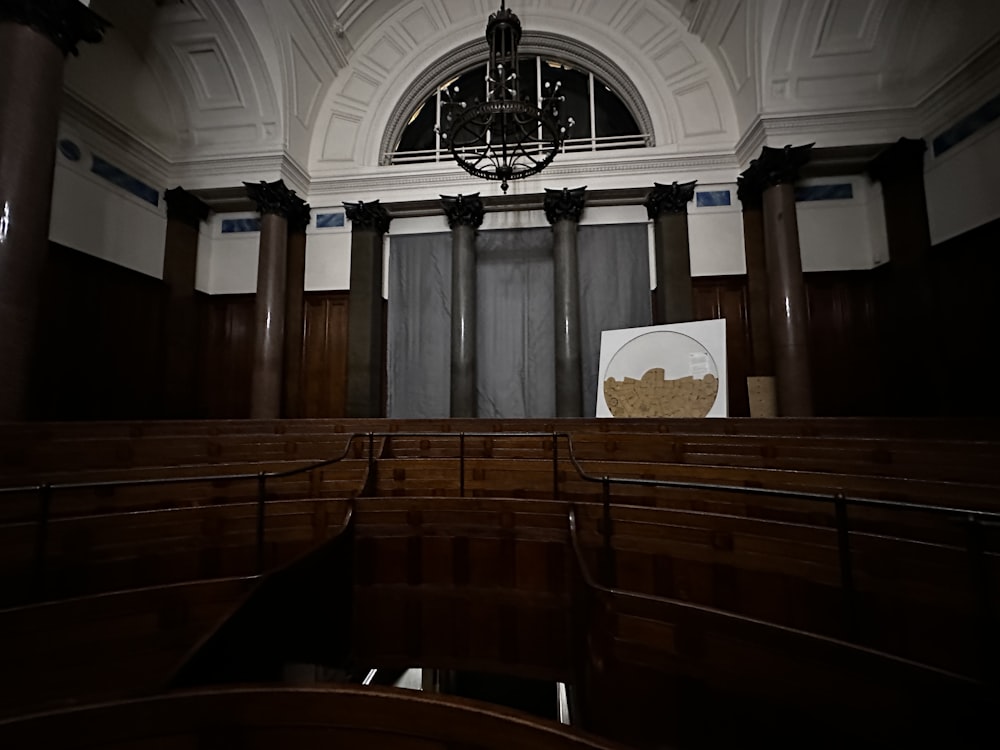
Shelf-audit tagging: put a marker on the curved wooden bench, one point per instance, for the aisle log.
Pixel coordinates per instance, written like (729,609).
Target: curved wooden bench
(100,553)
(250,716)
(459,583)
(655,671)
(107,646)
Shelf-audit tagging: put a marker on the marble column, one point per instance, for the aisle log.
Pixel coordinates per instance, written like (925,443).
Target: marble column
(907,316)
(465,214)
(295,280)
(35,38)
(366,314)
(789,315)
(563,209)
(185,213)
(275,203)
(666,206)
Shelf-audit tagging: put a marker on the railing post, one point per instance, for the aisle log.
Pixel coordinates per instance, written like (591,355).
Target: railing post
(847,590)
(608,562)
(981,584)
(461,464)
(555,466)
(369,489)
(41,539)
(261,500)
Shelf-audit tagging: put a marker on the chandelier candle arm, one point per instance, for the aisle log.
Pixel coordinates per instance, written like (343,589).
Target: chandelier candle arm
(506,137)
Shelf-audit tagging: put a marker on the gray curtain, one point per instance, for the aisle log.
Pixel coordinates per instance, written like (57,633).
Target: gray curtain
(613,262)
(515,316)
(419,326)
(516,337)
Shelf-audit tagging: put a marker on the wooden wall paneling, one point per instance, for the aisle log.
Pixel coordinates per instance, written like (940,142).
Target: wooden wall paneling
(965,271)
(98,341)
(324,364)
(845,351)
(725,297)
(227,339)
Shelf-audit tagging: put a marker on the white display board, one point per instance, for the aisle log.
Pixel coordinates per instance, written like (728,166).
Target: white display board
(675,370)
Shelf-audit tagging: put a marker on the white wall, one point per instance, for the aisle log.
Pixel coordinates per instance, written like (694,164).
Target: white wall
(961,185)
(227,263)
(93,216)
(843,235)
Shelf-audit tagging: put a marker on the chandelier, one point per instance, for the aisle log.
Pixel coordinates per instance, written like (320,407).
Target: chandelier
(505,137)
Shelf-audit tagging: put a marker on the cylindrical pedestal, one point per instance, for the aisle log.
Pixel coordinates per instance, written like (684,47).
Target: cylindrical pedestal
(269,318)
(464,398)
(674,295)
(294,319)
(569,385)
(789,315)
(30,94)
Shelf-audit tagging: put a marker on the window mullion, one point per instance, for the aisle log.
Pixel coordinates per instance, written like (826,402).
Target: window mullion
(593,112)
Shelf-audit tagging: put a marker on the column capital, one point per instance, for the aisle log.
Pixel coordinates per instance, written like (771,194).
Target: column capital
(185,207)
(750,186)
(669,199)
(463,210)
(778,166)
(370,216)
(65,22)
(565,204)
(902,160)
(299,216)
(272,197)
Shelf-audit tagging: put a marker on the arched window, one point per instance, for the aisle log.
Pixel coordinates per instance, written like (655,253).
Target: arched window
(602,119)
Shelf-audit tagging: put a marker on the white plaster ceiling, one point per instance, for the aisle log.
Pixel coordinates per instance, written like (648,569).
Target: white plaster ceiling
(311,82)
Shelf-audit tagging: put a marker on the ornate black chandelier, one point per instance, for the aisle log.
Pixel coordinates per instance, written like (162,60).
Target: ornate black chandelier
(505,137)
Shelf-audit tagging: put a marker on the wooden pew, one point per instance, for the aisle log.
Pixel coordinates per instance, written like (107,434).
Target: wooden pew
(730,679)
(267,716)
(107,646)
(101,553)
(452,583)
(911,599)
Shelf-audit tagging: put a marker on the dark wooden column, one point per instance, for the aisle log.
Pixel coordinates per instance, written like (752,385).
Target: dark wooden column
(788,312)
(465,214)
(365,350)
(185,213)
(275,203)
(750,192)
(35,38)
(666,205)
(295,280)
(563,209)
(907,303)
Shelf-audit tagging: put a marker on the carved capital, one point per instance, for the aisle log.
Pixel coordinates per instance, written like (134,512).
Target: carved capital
(370,216)
(300,216)
(65,22)
(750,186)
(669,199)
(564,204)
(903,160)
(779,166)
(463,210)
(272,197)
(185,207)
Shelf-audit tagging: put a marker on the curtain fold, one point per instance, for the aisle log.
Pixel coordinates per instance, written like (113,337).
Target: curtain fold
(515,316)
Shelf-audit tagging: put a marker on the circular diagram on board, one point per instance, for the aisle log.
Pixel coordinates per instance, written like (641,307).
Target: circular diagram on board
(661,374)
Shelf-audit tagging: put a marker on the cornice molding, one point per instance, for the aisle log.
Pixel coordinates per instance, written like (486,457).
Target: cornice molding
(141,157)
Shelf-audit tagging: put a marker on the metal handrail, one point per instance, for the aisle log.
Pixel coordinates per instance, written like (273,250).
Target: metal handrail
(841,502)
